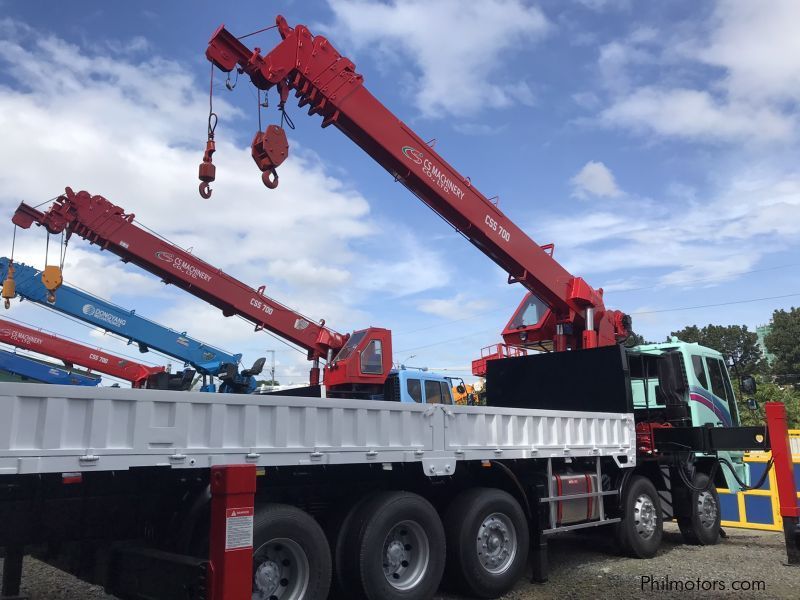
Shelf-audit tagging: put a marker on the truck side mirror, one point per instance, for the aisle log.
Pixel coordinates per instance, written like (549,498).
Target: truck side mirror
(461,389)
(747,385)
(752,404)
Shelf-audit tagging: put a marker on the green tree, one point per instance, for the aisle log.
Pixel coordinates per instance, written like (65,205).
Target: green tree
(784,342)
(772,392)
(635,340)
(733,341)
(268,382)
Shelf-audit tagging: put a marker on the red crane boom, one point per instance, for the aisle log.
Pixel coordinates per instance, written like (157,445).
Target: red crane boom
(72,353)
(573,315)
(97,220)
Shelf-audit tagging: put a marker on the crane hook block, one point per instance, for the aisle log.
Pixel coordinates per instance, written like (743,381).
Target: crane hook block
(52,280)
(9,287)
(269,149)
(208,171)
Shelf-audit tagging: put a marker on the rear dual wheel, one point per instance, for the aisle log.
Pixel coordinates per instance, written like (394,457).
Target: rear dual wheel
(390,547)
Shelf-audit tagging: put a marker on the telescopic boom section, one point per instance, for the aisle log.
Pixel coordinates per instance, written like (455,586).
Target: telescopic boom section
(328,83)
(72,353)
(100,222)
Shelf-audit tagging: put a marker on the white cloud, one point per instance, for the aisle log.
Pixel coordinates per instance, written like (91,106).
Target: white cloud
(595,179)
(697,115)
(132,128)
(747,54)
(758,45)
(460,306)
(409,269)
(453,45)
(715,238)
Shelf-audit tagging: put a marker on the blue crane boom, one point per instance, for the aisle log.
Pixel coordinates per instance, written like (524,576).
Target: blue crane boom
(205,359)
(28,368)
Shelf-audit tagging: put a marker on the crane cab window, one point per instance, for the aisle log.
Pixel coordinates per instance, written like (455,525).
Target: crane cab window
(529,313)
(372,358)
(414,387)
(350,346)
(433,392)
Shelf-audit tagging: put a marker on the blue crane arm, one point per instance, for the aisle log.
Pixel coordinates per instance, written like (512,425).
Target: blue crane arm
(28,368)
(207,360)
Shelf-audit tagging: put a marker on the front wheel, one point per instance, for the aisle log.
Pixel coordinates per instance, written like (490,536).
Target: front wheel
(640,531)
(291,558)
(702,527)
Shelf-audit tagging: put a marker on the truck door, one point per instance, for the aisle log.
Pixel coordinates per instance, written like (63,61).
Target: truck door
(711,397)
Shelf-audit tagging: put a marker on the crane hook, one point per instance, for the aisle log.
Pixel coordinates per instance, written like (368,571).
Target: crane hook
(207,172)
(205,190)
(270,178)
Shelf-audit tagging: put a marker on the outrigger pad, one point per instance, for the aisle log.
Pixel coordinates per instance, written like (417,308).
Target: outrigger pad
(595,380)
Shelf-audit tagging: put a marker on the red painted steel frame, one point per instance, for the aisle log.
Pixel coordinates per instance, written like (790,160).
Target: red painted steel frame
(782,457)
(328,83)
(73,353)
(784,475)
(233,489)
(100,222)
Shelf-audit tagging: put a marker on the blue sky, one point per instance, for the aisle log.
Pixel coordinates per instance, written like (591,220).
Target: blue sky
(654,143)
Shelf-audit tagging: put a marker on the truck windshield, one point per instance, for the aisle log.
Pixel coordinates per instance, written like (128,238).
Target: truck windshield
(529,313)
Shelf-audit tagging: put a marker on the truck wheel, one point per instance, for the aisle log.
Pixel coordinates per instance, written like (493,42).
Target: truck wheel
(703,526)
(639,533)
(338,530)
(395,548)
(487,542)
(291,558)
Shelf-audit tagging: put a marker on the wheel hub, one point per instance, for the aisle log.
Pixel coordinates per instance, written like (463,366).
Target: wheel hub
(268,577)
(644,516)
(706,509)
(405,555)
(496,543)
(280,571)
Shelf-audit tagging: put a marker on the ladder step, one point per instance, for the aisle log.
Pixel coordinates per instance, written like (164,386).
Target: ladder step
(579,496)
(579,526)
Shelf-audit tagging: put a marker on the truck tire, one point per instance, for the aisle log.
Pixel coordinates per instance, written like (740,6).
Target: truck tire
(640,531)
(487,542)
(337,530)
(703,526)
(394,549)
(291,558)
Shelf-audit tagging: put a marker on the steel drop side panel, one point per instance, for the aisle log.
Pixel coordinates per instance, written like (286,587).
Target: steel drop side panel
(55,429)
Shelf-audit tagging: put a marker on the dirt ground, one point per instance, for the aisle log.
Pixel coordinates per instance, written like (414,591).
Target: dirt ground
(588,566)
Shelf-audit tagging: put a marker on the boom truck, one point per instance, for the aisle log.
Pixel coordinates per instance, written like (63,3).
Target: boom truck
(29,369)
(358,365)
(205,360)
(373,499)
(73,353)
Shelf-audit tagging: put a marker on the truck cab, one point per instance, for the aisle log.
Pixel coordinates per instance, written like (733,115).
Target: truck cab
(417,386)
(701,381)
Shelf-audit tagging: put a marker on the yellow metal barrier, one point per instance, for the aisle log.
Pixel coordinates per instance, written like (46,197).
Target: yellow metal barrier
(759,509)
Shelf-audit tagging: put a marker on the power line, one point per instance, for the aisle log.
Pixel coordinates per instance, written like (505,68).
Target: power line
(663,310)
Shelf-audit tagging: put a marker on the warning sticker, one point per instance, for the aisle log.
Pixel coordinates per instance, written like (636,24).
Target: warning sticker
(238,528)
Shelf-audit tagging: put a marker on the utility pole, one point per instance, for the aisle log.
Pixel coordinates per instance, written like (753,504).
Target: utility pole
(272,368)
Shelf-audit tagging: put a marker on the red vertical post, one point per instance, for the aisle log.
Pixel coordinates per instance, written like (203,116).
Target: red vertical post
(784,475)
(233,489)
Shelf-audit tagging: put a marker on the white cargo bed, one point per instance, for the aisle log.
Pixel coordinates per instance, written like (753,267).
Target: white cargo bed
(57,429)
